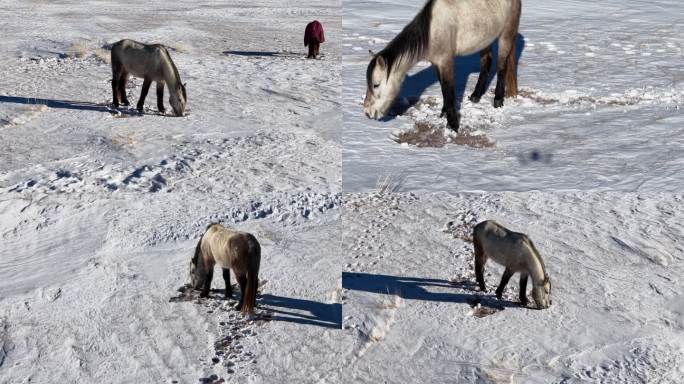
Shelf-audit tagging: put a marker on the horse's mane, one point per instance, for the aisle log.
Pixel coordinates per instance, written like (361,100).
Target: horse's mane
(173,66)
(537,255)
(198,248)
(412,42)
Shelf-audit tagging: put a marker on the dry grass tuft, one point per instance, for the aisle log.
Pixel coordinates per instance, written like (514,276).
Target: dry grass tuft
(179,47)
(78,50)
(390,184)
(103,55)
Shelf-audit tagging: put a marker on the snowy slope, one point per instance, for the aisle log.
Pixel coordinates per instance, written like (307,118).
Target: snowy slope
(100,211)
(601,87)
(411,301)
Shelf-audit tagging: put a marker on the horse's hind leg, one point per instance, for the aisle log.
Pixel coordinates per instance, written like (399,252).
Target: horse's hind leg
(523,289)
(480,260)
(115,86)
(317,47)
(504,281)
(503,58)
(226,279)
(207,283)
(242,280)
(311,51)
(445,72)
(123,80)
(143,93)
(505,48)
(160,97)
(485,64)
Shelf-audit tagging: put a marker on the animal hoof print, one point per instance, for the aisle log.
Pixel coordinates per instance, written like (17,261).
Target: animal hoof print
(498,103)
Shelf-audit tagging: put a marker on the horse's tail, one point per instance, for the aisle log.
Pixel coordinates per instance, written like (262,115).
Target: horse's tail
(114,54)
(254,253)
(511,75)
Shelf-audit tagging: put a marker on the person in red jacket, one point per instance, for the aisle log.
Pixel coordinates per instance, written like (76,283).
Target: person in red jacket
(313,37)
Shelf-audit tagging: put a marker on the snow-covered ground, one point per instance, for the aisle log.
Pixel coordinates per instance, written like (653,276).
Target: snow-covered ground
(100,212)
(615,262)
(601,91)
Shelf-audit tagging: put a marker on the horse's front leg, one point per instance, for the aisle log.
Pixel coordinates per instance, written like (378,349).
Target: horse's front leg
(207,283)
(523,289)
(504,281)
(226,279)
(143,94)
(160,97)
(485,64)
(445,73)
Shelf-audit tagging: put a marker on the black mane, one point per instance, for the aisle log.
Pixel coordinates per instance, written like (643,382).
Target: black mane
(411,42)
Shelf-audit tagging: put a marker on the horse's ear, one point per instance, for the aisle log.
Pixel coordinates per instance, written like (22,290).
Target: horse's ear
(381,62)
(370,52)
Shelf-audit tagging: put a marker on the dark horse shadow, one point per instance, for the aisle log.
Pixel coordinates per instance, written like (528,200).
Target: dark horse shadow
(260,53)
(303,311)
(282,308)
(66,104)
(414,85)
(415,288)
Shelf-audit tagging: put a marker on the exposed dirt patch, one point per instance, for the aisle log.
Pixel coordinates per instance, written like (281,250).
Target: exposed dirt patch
(427,134)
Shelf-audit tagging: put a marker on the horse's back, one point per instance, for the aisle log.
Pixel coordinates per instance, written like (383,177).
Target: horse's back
(463,27)
(139,59)
(503,245)
(229,248)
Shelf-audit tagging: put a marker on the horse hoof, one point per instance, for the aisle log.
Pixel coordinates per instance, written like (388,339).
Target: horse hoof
(453,126)
(498,103)
(474,99)
(162,111)
(125,103)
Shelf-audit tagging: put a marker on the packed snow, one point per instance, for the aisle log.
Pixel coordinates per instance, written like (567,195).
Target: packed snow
(601,90)
(100,209)
(412,304)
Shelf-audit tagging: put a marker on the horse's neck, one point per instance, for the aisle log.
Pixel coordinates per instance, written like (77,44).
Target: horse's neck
(404,64)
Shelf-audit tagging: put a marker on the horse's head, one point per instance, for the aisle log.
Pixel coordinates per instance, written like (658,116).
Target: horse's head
(178,99)
(381,88)
(541,293)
